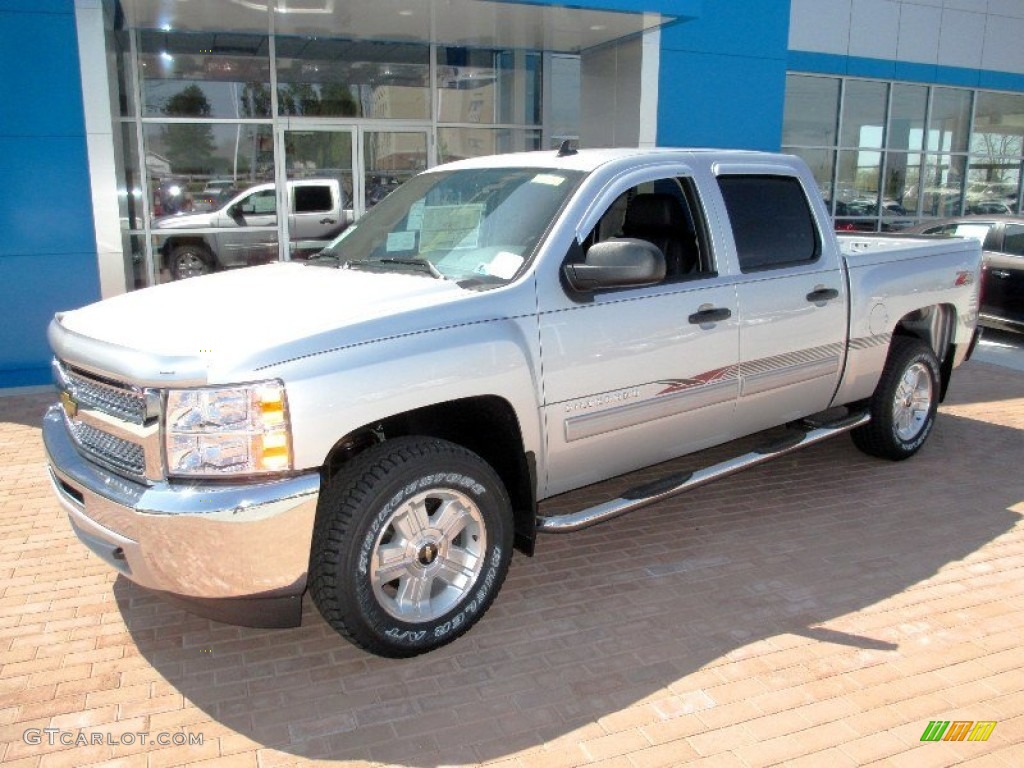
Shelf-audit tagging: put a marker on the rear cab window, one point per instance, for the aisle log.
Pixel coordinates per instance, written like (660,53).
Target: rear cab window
(772,222)
(313,198)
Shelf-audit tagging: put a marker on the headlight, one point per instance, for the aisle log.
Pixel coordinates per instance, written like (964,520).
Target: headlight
(240,430)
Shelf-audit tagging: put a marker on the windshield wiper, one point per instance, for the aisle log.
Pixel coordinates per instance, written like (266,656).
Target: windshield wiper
(325,259)
(424,264)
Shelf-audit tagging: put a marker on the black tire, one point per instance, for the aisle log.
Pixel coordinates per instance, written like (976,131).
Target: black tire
(904,404)
(372,511)
(190,260)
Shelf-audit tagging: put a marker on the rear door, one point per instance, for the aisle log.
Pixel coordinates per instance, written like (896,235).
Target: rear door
(792,299)
(316,215)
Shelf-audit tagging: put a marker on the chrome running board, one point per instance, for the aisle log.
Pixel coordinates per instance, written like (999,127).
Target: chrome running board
(808,434)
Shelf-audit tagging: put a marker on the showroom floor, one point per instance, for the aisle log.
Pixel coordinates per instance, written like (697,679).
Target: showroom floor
(823,609)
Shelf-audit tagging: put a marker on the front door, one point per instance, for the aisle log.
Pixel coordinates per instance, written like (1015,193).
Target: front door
(359,163)
(636,376)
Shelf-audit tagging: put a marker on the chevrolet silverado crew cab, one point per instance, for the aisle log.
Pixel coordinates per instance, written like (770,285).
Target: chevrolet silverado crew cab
(378,424)
(243,232)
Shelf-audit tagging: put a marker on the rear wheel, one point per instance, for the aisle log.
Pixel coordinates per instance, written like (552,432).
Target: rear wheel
(412,542)
(904,404)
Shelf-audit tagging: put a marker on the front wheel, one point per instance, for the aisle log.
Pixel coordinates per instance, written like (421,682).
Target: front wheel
(190,261)
(413,540)
(904,404)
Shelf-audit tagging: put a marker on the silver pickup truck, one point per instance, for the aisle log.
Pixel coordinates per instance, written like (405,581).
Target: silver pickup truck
(378,424)
(243,232)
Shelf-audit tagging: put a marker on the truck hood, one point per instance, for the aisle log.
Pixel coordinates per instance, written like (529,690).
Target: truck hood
(185,220)
(205,328)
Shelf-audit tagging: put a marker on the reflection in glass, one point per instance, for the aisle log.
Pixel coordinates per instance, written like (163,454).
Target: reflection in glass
(135,271)
(811,111)
(485,86)
(564,100)
(906,123)
(391,158)
(129,178)
(246,236)
(863,120)
(992,185)
(118,46)
(950,121)
(822,165)
(198,166)
(857,183)
(943,186)
(204,74)
(346,78)
(319,166)
(902,183)
(460,143)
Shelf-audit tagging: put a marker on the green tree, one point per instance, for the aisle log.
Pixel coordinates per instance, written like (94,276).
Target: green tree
(190,148)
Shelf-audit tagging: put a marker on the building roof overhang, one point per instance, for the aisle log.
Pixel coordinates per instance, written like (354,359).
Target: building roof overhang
(472,23)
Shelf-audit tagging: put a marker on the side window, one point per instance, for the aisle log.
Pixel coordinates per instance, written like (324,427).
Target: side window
(260,203)
(664,212)
(771,221)
(313,198)
(1013,240)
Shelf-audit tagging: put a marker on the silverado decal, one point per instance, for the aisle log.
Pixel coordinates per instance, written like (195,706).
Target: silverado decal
(708,377)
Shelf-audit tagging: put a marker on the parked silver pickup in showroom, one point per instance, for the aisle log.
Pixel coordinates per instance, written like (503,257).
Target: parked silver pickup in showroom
(243,232)
(378,424)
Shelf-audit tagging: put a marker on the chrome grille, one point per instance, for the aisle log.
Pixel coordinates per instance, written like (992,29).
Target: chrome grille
(121,402)
(118,454)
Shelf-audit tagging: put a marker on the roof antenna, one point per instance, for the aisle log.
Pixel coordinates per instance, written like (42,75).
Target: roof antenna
(566,149)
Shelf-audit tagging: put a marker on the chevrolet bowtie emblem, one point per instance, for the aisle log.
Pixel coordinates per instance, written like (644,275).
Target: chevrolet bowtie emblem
(70,406)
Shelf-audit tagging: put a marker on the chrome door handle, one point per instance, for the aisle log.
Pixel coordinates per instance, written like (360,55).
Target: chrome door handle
(328,221)
(999,273)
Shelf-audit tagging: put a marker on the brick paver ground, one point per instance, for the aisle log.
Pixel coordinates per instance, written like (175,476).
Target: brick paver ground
(818,611)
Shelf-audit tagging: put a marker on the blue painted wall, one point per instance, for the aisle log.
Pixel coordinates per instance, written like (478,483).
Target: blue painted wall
(48,246)
(723,76)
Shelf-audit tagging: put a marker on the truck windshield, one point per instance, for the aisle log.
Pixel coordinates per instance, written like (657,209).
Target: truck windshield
(475,226)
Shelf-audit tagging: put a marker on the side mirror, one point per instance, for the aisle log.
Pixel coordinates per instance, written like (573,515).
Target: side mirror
(617,263)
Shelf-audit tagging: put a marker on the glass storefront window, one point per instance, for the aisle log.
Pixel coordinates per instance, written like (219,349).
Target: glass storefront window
(564,100)
(345,78)
(460,143)
(998,125)
(197,166)
(129,188)
(857,183)
(119,51)
(822,165)
(811,111)
(486,86)
(193,74)
(134,249)
(950,122)
(993,184)
(943,185)
(906,123)
(906,151)
(902,184)
(863,119)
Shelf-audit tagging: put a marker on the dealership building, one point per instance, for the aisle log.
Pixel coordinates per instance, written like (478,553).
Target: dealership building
(120,113)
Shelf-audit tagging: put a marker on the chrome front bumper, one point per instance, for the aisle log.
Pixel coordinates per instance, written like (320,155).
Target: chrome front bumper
(237,553)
